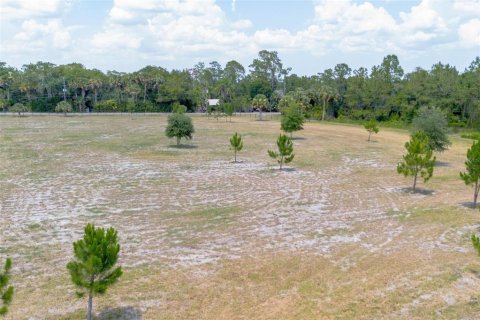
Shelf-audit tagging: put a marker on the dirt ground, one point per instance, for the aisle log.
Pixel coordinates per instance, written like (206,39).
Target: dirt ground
(337,235)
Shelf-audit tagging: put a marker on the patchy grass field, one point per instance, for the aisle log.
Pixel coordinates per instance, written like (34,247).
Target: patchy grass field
(336,236)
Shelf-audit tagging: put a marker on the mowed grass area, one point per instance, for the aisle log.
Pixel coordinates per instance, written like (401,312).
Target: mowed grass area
(338,235)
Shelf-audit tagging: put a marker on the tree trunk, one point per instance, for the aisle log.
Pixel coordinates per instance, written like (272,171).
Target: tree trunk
(89,315)
(415,181)
(235,156)
(323,111)
(475,195)
(369,134)
(144,92)
(281,162)
(178,140)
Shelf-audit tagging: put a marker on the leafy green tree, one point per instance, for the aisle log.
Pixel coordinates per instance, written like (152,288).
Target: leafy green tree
(178,108)
(19,108)
(179,126)
(372,127)
(260,102)
(236,143)
(292,119)
(93,269)
(433,122)
(472,174)
(64,107)
(6,293)
(418,160)
(285,150)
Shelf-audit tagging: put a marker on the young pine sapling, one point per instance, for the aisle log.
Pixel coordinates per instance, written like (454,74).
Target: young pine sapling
(418,160)
(236,143)
(285,150)
(93,270)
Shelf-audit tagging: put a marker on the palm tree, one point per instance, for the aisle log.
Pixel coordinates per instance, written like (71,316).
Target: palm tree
(327,93)
(260,102)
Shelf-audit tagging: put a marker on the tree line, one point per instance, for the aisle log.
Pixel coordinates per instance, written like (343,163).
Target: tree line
(384,92)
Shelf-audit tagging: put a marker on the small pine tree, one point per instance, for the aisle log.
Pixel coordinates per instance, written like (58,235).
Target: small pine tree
(64,107)
(179,126)
(292,120)
(95,256)
(372,127)
(6,293)
(285,150)
(472,174)
(418,159)
(236,143)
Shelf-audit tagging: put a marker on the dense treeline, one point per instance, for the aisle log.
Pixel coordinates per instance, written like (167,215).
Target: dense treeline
(384,92)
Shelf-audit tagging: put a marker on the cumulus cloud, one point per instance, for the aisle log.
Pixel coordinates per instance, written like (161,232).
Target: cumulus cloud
(189,29)
(469,33)
(51,34)
(11,10)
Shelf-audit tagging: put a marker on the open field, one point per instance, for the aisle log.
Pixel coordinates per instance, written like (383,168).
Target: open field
(338,235)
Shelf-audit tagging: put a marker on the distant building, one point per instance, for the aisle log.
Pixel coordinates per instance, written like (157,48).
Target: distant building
(213,102)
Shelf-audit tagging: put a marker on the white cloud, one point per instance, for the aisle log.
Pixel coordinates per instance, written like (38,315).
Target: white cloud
(186,30)
(11,10)
(49,35)
(469,34)
(467,7)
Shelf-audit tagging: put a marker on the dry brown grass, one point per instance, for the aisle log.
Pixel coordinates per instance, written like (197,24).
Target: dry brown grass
(339,236)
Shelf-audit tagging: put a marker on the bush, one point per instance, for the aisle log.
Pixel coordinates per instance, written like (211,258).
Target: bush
(64,107)
(19,108)
(475,135)
(107,106)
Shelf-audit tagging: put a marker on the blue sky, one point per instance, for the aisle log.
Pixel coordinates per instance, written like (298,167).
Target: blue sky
(310,36)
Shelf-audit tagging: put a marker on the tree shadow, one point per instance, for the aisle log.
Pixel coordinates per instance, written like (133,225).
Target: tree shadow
(288,169)
(120,313)
(298,138)
(425,192)
(442,164)
(468,205)
(183,146)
